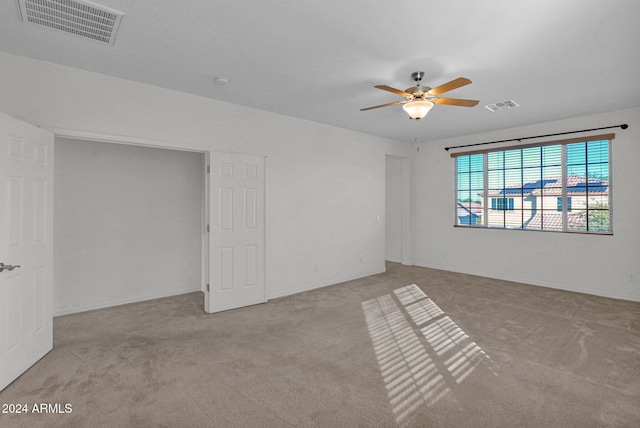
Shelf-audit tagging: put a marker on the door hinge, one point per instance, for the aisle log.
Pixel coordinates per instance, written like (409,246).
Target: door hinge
(208,289)
(208,169)
(208,228)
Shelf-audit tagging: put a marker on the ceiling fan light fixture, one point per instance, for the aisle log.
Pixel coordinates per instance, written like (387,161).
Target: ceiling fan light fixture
(417,109)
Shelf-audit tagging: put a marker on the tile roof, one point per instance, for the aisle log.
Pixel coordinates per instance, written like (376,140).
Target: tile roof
(471,207)
(553,221)
(553,186)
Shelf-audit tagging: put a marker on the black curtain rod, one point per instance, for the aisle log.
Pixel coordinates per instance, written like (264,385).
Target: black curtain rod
(623,126)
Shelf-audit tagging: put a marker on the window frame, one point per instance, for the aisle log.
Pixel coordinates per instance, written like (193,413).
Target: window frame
(566,204)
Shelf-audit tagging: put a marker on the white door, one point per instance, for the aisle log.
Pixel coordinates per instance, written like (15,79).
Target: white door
(26,234)
(237,232)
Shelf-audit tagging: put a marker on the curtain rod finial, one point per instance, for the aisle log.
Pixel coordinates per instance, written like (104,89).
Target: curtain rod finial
(624,126)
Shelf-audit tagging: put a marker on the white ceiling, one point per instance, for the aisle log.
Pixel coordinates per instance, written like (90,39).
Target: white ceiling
(318,60)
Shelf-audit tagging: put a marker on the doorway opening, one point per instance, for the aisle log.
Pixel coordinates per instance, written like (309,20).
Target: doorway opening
(129,223)
(397,211)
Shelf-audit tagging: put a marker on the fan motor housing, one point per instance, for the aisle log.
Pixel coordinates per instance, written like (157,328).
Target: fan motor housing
(418,91)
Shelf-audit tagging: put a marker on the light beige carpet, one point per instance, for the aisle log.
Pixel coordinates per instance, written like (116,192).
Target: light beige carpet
(453,351)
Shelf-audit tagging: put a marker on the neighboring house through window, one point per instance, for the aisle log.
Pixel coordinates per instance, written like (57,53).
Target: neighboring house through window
(469,213)
(560,186)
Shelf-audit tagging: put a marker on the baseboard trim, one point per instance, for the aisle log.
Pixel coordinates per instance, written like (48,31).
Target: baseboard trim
(122,302)
(534,283)
(310,287)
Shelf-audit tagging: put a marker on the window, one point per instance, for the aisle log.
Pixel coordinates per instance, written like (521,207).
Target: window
(502,204)
(560,203)
(469,187)
(558,186)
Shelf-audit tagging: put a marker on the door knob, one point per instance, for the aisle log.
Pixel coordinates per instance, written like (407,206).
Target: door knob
(7,267)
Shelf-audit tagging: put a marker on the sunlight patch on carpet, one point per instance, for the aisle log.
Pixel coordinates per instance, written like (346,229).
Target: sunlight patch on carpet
(421,352)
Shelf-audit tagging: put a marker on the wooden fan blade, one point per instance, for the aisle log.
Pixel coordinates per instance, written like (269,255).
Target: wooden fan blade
(450,86)
(455,102)
(382,105)
(394,90)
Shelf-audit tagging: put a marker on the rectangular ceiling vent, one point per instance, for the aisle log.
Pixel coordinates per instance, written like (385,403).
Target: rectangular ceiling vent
(502,106)
(77,17)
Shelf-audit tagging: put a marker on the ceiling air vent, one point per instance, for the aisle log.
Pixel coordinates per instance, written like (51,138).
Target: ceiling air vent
(502,106)
(78,17)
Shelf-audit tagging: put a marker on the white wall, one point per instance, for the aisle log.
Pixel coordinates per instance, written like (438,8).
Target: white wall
(592,264)
(128,223)
(326,200)
(326,186)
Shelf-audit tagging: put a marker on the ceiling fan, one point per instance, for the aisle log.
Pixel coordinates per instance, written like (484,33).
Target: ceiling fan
(419,99)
